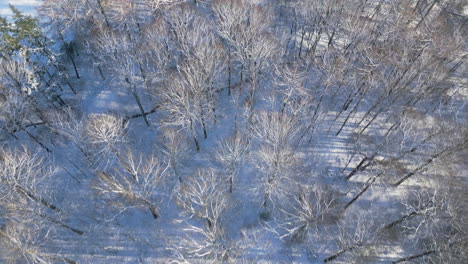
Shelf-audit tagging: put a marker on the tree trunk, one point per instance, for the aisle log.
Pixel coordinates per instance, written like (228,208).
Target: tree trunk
(74,65)
(410,215)
(361,166)
(60,223)
(37,199)
(370,182)
(302,41)
(140,106)
(330,41)
(71,88)
(231,180)
(342,251)
(205,134)
(197,145)
(37,141)
(70,54)
(154,213)
(103,13)
(428,162)
(426,14)
(100,72)
(349,161)
(192,130)
(229,70)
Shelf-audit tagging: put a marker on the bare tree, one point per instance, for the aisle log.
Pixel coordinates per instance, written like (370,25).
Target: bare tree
(120,52)
(72,22)
(199,193)
(304,212)
(199,60)
(354,232)
(445,149)
(231,153)
(105,134)
(175,148)
(23,244)
(26,243)
(204,197)
(19,80)
(245,27)
(209,242)
(19,183)
(136,182)
(432,222)
(276,132)
(181,108)
(24,176)
(15,113)
(256,47)
(230,16)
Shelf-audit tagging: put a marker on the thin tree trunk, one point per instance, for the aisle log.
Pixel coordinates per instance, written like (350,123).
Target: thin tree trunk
(70,54)
(100,72)
(60,223)
(37,141)
(74,65)
(154,213)
(361,166)
(138,101)
(426,14)
(103,13)
(302,41)
(410,215)
(229,70)
(37,199)
(205,134)
(339,253)
(265,200)
(71,88)
(317,40)
(428,162)
(330,41)
(197,145)
(403,218)
(349,161)
(369,183)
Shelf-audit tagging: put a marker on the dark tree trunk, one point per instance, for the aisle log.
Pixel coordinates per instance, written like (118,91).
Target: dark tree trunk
(100,72)
(361,166)
(197,145)
(427,253)
(154,212)
(69,50)
(138,101)
(229,70)
(302,40)
(428,162)
(339,253)
(60,223)
(74,65)
(369,183)
(410,215)
(37,199)
(103,13)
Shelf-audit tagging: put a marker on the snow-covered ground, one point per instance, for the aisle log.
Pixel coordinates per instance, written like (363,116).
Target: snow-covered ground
(344,178)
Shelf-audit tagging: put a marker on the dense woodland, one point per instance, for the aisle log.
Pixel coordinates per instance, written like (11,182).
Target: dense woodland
(234,131)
